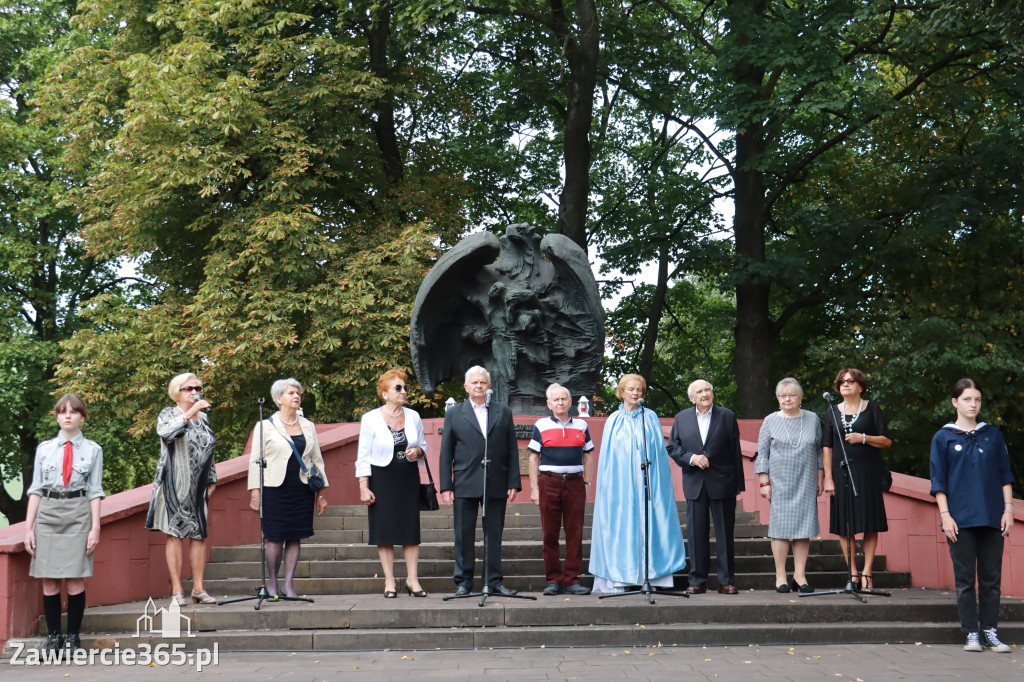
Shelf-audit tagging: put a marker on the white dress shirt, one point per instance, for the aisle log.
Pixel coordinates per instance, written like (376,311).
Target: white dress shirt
(481,416)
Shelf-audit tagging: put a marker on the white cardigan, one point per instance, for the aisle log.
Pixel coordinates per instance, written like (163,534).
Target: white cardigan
(377,447)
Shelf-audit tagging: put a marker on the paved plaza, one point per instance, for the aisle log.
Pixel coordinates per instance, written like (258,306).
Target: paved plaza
(865,662)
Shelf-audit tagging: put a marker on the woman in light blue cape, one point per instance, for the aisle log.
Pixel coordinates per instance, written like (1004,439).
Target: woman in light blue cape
(617,542)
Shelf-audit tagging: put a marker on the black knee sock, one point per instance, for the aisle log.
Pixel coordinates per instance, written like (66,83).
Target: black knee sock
(51,610)
(76,609)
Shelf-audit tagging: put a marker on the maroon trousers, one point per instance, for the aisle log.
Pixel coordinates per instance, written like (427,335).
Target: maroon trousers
(562,502)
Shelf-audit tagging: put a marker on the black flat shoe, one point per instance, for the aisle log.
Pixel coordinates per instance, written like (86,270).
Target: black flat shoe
(783,588)
(417,593)
(390,594)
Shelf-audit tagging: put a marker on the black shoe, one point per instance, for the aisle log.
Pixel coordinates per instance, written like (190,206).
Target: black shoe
(783,588)
(806,589)
(462,590)
(553,589)
(503,591)
(54,641)
(578,588)
(72,643)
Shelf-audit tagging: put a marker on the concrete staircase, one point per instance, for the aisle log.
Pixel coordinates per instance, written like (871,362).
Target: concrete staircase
(337,559)
(342,574)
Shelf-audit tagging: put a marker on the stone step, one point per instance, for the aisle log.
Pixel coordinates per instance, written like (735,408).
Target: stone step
(436,520)
(658,635)
(510,534)
(365,622)
(523,508)
(445,549)
(374,583)
(355,568)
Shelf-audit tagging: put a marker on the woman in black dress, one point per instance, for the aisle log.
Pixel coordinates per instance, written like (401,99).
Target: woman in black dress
(288,501)
(391,444)
(863,432)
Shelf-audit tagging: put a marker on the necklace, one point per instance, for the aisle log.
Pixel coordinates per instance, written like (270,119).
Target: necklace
(398,415)
(786,421)
(848,425)
(292,422)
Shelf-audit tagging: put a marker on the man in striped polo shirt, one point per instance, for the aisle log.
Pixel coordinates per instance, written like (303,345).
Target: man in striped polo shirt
(561,466)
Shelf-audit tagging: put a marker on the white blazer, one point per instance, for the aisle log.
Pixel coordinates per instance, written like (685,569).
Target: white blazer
(377,447)
(278,452)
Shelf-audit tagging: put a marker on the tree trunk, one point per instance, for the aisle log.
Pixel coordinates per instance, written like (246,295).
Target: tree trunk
(646,364)
(384,110)
(755,332)
(575,197)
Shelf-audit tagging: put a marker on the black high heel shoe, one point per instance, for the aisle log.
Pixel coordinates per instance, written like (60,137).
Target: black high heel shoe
(418,593)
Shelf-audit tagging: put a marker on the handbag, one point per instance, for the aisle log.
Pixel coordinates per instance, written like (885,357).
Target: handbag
(428,493)
(316,479)
(886,479)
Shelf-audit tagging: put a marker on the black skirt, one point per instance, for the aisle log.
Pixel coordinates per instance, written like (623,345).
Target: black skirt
(395,517)
(288,508)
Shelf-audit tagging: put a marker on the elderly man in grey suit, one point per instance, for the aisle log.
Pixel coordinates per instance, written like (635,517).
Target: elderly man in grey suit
(469,427)
(705,443)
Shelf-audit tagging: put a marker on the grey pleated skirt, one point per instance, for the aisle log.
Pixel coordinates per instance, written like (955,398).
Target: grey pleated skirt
(62,531)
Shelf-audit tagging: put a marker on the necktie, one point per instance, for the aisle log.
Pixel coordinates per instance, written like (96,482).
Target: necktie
(68,450)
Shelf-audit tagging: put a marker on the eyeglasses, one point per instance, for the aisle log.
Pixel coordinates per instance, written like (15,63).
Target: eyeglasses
(847,381)
(400,387)
(191,388)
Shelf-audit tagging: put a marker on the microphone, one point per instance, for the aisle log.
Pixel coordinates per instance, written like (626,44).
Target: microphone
(641,402)
(487,400)
(827,397)
(196,397)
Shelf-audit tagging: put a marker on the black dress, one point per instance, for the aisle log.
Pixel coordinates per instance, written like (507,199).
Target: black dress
(866,470)
(288,508)
(395,517)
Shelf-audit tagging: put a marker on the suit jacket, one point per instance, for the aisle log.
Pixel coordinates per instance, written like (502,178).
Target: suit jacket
(724,476)
(277,452)
(462,452)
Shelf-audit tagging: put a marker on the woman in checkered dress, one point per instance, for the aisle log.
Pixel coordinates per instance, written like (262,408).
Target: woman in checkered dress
(789,469)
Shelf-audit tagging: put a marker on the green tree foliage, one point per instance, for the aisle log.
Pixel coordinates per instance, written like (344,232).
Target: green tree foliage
(45,272)
(694,342)
(249,156)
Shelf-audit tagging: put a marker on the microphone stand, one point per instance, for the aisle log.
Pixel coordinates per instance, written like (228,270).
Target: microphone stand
(262,594)
(645,465)
(485,592)
(851,542)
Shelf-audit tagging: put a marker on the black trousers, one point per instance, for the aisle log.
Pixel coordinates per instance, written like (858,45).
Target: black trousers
(466,510)
(977,552)
(699,514)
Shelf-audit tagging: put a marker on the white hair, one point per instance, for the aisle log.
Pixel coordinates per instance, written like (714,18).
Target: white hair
(789,382)
(174,387)
(553,388)
(477,369)
(278,388)
(690,391)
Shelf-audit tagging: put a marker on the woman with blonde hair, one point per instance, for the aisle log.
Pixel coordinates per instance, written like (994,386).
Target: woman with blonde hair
(185,479)
(617,545)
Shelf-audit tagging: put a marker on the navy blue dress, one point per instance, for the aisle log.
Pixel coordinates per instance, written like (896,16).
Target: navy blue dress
(288,508)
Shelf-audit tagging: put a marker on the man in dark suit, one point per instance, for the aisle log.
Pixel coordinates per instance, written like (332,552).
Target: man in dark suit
(705,443)
(462,477)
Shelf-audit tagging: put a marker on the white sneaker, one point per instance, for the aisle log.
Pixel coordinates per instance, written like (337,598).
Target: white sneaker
(973,642)
(992,642)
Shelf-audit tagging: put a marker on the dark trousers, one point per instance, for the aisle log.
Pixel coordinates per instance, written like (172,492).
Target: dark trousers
(977,551)
(562,501)
(699,513)
(465,510)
